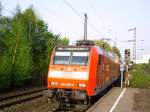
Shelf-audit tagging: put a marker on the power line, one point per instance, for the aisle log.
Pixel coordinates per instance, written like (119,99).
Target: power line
(95,30)
(105,26)
(58,32)
(95,11)
(82,17)
(73,8)
(54,15)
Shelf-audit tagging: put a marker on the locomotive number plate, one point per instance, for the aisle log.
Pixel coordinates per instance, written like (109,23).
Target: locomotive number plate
(67,84)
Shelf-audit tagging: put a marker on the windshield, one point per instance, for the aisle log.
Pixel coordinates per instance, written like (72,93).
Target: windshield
(80,58)
(62,57)
(71,57)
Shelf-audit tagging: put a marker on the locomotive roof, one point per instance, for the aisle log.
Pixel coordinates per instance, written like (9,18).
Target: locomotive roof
(100,50)
(75,46)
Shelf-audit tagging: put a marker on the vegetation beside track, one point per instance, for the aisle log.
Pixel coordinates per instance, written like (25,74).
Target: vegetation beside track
(141,76)
(25,48)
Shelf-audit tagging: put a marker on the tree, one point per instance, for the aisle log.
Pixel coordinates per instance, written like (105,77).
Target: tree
(5,66)
(25,48)
(103,45)
(116,51)
(64,41)
(5,70)
(107,47)
(41,42)
(19,49)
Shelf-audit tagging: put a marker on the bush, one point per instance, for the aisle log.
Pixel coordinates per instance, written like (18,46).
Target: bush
(140,78)
(25,46)
(22,66)
(5,70)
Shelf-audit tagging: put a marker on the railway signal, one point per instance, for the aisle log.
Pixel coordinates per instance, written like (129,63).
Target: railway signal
(127,54)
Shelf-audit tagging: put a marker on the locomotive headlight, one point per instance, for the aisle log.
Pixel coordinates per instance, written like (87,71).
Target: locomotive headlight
(82,85)
(54,83)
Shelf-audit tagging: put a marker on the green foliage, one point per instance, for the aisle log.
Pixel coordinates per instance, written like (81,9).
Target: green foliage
(64,41)
(22,65)
(107,47)
(103,45)
(5,68)
(25,48)
(116,51)
(140,76)
(19,51)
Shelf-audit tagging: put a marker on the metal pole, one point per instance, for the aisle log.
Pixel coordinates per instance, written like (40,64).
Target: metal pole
(121,78)
(121,70)
(85,26)
(133,51)
(135,42)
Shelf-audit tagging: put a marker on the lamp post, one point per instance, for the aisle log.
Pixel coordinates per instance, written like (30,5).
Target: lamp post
(134,44)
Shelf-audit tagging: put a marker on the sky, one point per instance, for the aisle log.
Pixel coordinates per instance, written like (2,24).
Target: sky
(106,19)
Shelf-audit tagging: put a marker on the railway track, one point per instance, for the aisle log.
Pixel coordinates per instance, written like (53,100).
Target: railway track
(19,97)
(55,106)
(77,108)
(8,102)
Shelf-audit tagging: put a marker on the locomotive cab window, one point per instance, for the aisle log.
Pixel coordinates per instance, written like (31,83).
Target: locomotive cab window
(79,58)
(61,57)
(73,56)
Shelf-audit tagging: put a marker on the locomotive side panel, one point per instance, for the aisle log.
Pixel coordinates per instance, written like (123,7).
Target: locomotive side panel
(107,70)
(92,71)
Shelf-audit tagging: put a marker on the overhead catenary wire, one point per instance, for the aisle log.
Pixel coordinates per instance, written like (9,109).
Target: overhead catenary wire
(97,15)
(68,4)
(95,30)
(55,15)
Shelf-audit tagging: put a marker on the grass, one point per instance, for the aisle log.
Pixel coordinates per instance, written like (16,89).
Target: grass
(140,80)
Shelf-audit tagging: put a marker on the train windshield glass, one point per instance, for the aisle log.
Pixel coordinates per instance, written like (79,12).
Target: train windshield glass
(71,56)
(79,58)
(62,57)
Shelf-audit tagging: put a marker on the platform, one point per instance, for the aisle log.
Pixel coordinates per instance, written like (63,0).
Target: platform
(123,100)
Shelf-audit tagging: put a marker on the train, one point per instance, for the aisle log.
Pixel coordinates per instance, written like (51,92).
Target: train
(81,72)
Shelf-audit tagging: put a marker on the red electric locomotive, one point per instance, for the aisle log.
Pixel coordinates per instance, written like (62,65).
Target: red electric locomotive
(81,72)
